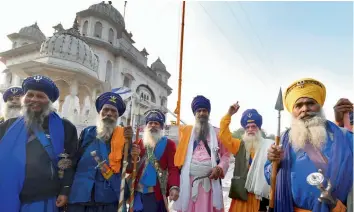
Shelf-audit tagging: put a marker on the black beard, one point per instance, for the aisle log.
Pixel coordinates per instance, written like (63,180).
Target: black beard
(202,127)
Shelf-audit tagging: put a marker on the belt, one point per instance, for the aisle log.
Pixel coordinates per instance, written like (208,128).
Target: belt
(141,189)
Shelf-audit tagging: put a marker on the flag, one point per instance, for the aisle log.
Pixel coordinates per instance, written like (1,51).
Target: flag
(124,92)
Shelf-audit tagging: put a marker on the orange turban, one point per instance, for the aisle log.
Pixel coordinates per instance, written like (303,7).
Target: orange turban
(306,87)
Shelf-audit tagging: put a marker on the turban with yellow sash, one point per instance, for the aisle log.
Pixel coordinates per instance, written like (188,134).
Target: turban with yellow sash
(306,87)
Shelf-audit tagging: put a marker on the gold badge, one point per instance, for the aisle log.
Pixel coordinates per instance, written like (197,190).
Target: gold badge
(113,99)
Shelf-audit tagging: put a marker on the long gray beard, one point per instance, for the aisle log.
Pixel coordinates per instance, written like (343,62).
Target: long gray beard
(35,119)
(252,141)
(202,128)
(11,111)
(151,138)
(105,128)
(312,130)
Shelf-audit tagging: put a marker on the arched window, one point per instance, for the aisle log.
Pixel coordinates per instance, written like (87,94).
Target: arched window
(110,36)
(98,29)
(108,71)
(84,28)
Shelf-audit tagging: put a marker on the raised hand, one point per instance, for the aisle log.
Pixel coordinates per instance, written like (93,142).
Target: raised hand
(233,109)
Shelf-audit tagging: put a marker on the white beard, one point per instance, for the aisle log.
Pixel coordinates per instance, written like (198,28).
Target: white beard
(105,128)
(252,141)
(11,112)
(312,130)
(151,138)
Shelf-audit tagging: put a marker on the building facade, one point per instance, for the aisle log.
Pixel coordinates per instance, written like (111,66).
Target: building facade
(95,55)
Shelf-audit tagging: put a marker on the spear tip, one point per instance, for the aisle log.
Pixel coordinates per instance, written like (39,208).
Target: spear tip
(279,104)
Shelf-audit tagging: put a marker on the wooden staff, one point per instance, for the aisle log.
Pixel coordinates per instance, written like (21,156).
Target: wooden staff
(178,109)
(279,107)
(125,163)
(135,160)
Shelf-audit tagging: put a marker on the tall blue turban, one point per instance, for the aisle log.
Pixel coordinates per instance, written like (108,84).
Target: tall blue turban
(200,102)
(155,115)
(43,84)
(11,92)
(251,116)
(111,99)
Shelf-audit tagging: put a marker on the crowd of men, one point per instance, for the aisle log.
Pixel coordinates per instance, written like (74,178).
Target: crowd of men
(46,167)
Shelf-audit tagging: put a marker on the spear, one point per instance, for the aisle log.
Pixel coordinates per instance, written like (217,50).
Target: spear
(279,107)
(125,163)
(135,160)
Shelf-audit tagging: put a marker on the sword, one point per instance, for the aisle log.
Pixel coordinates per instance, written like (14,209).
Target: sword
(198,178)
(102,165)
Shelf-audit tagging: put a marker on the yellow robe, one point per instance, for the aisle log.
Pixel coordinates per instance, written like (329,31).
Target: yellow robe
(233,145)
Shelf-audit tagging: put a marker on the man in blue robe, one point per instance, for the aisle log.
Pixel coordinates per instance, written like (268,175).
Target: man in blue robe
(312,143)
(35,152)
(98,189)
(12,108)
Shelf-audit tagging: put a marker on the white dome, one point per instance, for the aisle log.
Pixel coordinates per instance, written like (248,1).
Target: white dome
(68,45)
(158,65)
(108,11)
(33,32)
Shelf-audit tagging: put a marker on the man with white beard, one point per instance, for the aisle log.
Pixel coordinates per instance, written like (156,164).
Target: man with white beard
(12,107)
(157,176)
(36,148)
(97,189)
(248,191)
(204,162)
(311,144)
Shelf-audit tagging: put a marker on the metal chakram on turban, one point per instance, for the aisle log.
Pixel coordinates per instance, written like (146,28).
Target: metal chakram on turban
(155,115)
(200,102)
(43,84)
(306,87)
(111,99)
(251,116)
(12,91)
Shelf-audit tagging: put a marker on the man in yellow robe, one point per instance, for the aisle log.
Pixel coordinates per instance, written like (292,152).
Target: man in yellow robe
(249,191)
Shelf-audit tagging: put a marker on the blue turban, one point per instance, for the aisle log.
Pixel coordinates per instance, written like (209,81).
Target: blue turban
(155,115)
(43,84)
(251,116)
(200,102)
(11,92)
(113,99)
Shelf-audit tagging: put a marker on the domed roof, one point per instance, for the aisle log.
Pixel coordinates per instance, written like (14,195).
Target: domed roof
(108,11)
(32,32)
(68,45)
(158,65)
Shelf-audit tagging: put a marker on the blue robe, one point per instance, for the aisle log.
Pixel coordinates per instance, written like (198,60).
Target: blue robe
(146,202)
(105,195)
(292,189)
(13,155)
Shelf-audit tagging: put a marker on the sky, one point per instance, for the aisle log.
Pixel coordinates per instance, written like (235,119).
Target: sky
(233,51)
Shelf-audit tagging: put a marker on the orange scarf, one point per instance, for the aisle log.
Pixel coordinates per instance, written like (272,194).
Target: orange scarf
(184,133)
(117,145)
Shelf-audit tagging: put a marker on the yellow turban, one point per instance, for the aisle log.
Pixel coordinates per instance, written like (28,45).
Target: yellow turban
(306,87)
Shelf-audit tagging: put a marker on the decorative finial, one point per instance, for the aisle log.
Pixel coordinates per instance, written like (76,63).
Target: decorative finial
(76,24)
